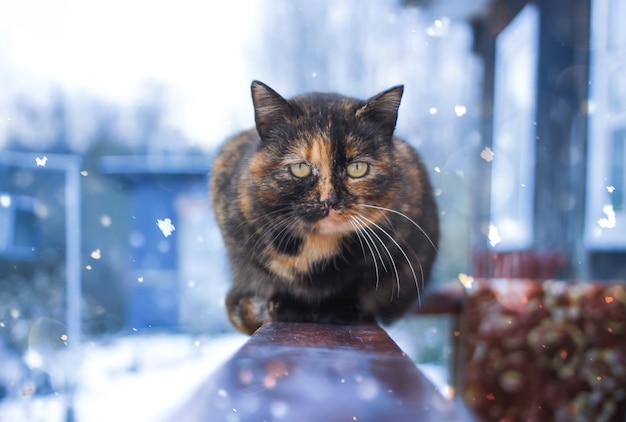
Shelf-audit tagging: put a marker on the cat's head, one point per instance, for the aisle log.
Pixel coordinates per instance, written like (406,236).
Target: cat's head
(322,155)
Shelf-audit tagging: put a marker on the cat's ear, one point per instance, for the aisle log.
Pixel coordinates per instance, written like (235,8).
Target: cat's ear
(269,107)
(382,108)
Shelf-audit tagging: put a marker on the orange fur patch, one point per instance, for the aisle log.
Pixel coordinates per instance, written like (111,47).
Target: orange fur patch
(316,247)
(319,153)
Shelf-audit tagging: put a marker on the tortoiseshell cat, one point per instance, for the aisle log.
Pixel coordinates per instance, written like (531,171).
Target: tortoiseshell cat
(326,216)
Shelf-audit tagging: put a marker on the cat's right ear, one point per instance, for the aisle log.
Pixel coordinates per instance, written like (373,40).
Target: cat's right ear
(269,107)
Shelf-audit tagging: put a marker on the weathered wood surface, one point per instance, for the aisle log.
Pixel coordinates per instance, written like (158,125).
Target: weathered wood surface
(312,372)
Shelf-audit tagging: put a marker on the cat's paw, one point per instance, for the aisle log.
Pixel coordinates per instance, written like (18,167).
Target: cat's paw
(333,312)
(248,313)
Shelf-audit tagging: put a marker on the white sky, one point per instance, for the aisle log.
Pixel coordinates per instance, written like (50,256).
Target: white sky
(196,48)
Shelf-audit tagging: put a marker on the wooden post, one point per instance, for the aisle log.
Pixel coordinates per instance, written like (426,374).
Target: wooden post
(313,372)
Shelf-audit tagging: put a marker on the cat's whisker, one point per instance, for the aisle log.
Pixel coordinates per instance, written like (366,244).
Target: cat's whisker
(261,217)
(364,228)
(404,216)
(284,235)
(416,259)
(360,235)
(423,281)
(401,251)
(260,237)
(271,233)
(393,262)
(419,263)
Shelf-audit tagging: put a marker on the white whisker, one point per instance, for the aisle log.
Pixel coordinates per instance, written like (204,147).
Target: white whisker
(364,230)
(401,251)
(393,262)
(362,239)
(273,224)
(270,235)
(404,216)
(285,235)
(423,279)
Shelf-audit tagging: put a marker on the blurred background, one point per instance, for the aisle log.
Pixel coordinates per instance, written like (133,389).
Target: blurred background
(112,270)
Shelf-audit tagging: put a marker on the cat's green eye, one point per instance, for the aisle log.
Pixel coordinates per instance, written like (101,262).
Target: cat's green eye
(300,170)
(357,169)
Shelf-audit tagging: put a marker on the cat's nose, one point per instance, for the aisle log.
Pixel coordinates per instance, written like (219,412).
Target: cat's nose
(331,201)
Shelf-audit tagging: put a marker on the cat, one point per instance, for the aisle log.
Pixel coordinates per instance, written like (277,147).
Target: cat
(326,216)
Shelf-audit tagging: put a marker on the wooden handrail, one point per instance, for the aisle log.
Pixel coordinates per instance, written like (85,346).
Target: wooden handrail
(313,372)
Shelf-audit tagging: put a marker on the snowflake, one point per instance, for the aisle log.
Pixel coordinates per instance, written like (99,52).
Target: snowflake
(610,220)
(41,162)
(487,154)
(166,226)
(5,201)
(466,280)
(493,236)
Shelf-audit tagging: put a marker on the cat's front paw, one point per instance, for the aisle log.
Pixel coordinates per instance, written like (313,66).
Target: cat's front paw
(248,313)
(336,311)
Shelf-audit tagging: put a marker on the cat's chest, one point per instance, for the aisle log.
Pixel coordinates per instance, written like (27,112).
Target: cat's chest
(314,249)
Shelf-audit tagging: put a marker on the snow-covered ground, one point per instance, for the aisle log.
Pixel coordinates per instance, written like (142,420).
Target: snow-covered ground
(135,378)
(141,378)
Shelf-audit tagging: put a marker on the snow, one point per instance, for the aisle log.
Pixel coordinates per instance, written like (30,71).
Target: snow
(41,162)
(133,378)
(609,221)
(487,154)
(166,226)
(494,235)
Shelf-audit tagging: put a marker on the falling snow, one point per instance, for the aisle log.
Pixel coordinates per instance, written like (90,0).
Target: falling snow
(5,201)
(609,221)
(41,162)
(105,220)
(466,280)
(493,236)
(96,254)
(487,154)
(166,226)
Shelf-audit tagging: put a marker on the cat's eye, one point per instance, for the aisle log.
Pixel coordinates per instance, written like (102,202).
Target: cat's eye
(357,169)
(300,170)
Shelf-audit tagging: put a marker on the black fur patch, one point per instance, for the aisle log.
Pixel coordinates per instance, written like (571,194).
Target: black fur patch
(287,243)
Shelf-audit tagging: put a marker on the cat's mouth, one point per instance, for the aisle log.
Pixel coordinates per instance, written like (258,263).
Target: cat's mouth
(334,222)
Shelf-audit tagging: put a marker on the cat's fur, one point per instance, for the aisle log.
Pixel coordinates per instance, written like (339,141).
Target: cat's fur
(326,247)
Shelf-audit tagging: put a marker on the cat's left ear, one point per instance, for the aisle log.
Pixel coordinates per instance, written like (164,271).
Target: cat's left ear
(269,107)
(383,108)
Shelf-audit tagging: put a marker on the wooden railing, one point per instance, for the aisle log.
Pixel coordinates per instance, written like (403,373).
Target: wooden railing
(526,348)
(313,372)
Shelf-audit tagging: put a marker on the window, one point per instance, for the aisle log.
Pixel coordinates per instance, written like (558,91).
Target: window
(19,228)
(605,225)
(512,179)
